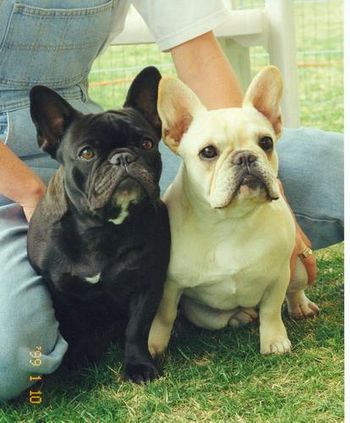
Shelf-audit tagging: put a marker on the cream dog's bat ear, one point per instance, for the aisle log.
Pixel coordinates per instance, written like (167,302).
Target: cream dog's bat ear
(177,104)
(265,93)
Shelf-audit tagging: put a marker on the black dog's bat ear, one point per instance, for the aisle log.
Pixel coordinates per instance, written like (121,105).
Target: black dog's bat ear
(51,115)
(143,95)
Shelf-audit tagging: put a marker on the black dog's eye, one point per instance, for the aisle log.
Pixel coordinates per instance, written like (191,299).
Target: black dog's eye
(87,153)
(266,143)
(208,153)
(147,144)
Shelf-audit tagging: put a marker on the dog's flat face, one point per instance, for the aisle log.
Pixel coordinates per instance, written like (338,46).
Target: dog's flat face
(229,154)
(111,160)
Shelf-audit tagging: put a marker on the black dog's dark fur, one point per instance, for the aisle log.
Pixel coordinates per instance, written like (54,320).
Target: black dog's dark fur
(74,233)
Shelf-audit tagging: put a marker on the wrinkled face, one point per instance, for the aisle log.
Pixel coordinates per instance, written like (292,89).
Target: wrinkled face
(229,154)
(111,161)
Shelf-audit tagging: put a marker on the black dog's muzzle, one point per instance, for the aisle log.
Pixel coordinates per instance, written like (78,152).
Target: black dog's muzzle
(123,157)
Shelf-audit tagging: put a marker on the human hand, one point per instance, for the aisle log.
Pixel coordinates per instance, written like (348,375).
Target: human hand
(28,212)
(18,182)
(302,249)
(30,203)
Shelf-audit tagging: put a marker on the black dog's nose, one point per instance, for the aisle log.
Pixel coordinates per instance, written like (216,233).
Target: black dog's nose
(122,158)
(244,158)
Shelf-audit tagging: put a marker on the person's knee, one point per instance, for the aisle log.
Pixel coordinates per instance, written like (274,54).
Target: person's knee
(14,379)
(311,170)
(21,362)
(16,372)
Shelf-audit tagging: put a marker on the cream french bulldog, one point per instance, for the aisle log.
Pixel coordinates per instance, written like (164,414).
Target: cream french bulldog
(232,231)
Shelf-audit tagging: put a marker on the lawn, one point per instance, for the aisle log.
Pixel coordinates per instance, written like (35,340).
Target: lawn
(220,376)
(215,376)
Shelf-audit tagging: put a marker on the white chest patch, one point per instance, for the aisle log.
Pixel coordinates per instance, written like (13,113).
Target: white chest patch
(93,279)
(122,215)
(123,200)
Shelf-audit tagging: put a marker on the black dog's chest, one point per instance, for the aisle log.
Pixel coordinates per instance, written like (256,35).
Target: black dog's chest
(103,256)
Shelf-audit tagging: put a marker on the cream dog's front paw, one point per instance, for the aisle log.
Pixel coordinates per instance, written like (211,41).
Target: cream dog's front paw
(278,345)
(156,349)
(158,338)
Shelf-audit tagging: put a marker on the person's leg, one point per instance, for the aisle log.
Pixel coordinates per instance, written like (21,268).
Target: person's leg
(27,320)
(312,174)
(171,164)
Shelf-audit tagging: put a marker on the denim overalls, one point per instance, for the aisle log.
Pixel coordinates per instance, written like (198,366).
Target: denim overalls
(53,47)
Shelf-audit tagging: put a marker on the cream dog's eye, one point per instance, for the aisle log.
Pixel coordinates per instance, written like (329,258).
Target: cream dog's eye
(266,143)
(87,153)
(208,153)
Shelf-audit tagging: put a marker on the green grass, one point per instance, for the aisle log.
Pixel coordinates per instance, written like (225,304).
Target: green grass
(220,376)
(215,376)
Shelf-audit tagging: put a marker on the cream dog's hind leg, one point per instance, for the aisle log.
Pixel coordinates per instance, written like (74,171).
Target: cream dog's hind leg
(299,306)
(212,318)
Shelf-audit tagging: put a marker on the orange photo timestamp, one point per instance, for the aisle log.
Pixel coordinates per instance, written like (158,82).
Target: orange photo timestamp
(35,397)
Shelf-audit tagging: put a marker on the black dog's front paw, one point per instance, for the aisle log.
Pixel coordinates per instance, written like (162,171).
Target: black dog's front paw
(141,372)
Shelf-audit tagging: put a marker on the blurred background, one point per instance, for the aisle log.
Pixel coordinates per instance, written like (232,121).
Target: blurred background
(319,42)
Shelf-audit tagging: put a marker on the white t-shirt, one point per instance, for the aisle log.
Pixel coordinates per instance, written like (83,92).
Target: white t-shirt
(172,22)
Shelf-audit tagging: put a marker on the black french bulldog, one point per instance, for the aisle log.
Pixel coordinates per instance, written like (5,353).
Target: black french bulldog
(100,236)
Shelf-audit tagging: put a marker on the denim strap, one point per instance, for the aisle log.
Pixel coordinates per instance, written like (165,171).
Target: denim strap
(3,126)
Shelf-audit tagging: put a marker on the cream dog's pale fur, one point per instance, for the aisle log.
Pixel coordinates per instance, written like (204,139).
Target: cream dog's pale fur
(232,232)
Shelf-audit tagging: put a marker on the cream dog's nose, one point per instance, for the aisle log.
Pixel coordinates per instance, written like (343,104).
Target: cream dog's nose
(244,158)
